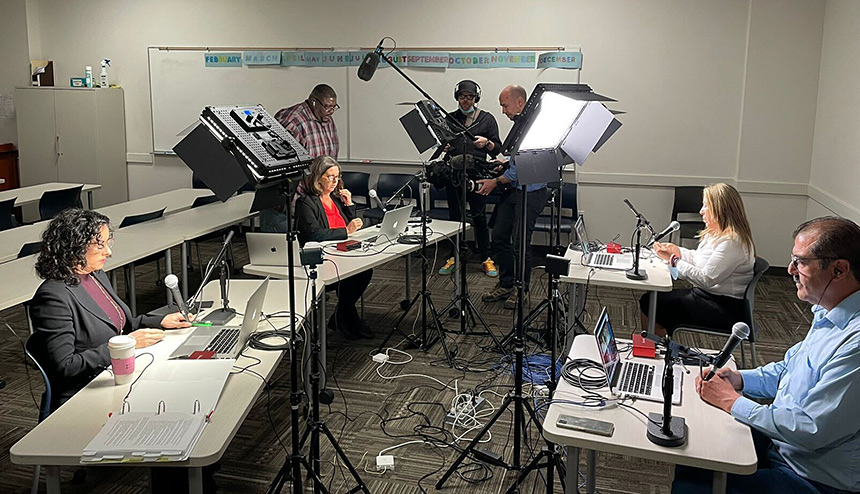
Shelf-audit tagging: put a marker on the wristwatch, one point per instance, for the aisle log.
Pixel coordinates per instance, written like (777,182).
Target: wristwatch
(498,182)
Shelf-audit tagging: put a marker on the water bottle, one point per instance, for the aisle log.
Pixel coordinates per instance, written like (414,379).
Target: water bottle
(89,76)
(103,77)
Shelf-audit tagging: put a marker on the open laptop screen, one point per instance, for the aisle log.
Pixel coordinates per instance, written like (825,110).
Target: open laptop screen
(607,346)
(582,234)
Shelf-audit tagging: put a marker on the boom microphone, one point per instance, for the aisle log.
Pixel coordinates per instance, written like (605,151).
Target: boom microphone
(370,63)
(372,194)
(673,227)
(172,284)
(740,332)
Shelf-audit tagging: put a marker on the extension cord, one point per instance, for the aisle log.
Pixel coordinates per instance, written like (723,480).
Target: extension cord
(479,404)
(380,358)
(385,462)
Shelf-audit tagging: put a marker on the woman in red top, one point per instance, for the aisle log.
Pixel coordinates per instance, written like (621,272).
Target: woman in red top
(327,213)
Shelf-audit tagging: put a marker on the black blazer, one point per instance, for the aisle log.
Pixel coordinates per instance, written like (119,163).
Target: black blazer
(71,333)
(312,223)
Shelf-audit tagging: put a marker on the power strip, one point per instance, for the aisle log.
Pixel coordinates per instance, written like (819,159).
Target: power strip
(479,404)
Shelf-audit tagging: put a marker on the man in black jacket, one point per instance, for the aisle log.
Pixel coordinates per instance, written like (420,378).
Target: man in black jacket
(482,125)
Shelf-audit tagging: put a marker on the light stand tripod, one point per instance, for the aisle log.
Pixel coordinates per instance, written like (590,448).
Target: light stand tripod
(423,294)
(517,399)
(292,468)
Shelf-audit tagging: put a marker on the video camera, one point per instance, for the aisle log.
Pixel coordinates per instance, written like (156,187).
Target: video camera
(443,173)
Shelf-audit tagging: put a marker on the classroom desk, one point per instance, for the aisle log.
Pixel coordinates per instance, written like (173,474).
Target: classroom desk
(173,201)
(32,193)
(81,418)
(193,223)
(128,247)
(729,451)
(659,280)
(352,262)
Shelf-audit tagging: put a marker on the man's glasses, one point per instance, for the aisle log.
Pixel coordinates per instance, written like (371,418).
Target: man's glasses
(329,108)
(99,245)
(797,262)
(466,96)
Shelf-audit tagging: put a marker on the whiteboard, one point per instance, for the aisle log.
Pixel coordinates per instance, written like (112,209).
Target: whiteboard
(181,86)
(368,123)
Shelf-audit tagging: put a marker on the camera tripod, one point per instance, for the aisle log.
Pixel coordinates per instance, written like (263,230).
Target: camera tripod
(292,468)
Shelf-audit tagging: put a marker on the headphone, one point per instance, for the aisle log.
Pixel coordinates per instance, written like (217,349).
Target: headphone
(467,85)
(837,272)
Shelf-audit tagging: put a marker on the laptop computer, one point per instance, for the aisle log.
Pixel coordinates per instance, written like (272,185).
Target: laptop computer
(270,249)
(628,378)
(394,224)
(603,260)
(225,341)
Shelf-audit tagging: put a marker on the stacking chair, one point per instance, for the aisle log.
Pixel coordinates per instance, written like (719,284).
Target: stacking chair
(29,249)
(44,407)
(358,183)
(7,214)
(434,210)
(386,186)
(129,268)
(685,210)
(749,304)
(568,202)
(53,202)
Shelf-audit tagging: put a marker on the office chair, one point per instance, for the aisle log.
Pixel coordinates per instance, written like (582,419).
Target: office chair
(568,202)
(386,186)
(759,268)
(29,249)
(685,210)
(54,201)
(136,219)
(44,407)
(7,214)
(358,183)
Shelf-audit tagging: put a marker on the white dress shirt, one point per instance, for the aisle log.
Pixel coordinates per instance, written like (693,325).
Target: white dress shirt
(720,265)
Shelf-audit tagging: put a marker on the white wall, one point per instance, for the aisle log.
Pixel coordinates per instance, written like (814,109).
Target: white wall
(14,59)
(714,91)
(833,185)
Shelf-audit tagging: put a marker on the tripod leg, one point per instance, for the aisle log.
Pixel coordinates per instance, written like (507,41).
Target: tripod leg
(439,330)
(474,442)
(532,466)
(396,328)
(477,314)
(322,427)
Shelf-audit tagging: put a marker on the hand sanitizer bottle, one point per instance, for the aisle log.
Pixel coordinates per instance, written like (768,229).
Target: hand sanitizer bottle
(89,76)
(103,77)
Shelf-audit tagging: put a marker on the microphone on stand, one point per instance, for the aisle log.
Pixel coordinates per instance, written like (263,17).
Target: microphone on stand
(372,193)
(673,227)
(740,332)
(172,284)
(370,63)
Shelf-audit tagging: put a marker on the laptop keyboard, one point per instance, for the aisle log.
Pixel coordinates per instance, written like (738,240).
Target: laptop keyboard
(637,378)
(602,259)
(224,341)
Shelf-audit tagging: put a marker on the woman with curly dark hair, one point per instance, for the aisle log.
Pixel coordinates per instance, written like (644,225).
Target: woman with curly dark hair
(75,310)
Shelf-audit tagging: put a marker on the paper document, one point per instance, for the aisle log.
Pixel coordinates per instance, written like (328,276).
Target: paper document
(145,437)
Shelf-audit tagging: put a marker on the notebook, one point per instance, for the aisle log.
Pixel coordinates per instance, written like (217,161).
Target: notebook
(600,259)
(225,341)
(393,225)
(270,249)
(629,378)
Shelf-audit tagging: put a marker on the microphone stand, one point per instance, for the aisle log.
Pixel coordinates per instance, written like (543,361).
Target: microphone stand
(664,429)
(225,313)
(634,273)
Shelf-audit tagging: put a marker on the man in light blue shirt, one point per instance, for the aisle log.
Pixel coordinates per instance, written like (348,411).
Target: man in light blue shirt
(808,439)
(506,215)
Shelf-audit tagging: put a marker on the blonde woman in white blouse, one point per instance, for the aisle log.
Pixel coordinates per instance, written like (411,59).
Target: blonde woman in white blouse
(719,269)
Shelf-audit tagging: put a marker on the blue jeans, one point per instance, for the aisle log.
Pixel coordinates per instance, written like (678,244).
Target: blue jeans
(774,475)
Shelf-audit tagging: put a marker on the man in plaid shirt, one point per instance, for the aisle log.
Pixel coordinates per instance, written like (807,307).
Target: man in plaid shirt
(310,122)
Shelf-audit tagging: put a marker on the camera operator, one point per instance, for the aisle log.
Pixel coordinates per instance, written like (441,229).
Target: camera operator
(485,130)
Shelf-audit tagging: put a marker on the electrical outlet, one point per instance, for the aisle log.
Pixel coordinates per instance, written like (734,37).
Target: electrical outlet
(385,462)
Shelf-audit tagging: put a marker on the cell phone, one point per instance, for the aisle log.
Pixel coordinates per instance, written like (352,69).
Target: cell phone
(583,424)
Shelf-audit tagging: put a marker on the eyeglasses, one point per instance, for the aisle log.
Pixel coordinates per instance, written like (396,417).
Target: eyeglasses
(796,261)
(332,178)
(328,108)
(466,96)
(99,245)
